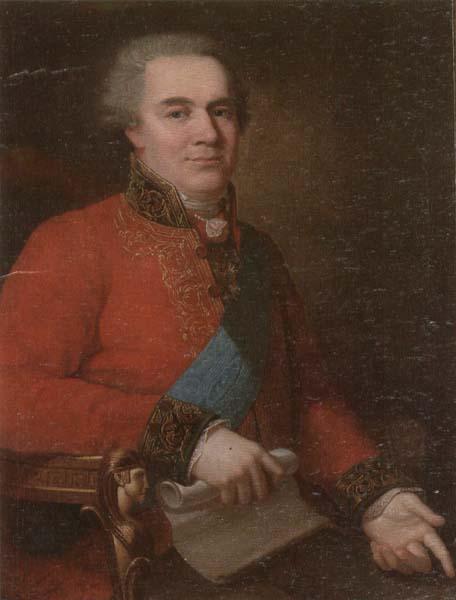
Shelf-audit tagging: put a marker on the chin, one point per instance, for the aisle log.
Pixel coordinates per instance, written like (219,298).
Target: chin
(209,184)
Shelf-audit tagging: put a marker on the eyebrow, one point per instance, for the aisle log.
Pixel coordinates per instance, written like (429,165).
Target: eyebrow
(183,100)
(176,100)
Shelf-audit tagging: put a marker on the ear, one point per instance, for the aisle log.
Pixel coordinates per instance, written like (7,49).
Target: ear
(134,134)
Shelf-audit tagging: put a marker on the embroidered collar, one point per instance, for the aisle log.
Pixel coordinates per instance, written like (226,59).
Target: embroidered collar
(156,199)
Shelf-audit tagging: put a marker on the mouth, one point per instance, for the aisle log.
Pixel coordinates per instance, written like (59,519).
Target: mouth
(206,160)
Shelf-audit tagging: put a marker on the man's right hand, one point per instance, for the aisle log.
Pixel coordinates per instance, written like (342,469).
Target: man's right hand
(240,469)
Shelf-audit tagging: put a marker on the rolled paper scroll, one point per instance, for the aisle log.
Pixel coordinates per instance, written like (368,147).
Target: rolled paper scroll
(180,498)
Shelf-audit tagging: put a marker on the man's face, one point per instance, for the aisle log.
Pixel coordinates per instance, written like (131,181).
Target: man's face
(187,128)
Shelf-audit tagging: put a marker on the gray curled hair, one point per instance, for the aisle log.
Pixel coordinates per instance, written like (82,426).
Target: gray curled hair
(124,83)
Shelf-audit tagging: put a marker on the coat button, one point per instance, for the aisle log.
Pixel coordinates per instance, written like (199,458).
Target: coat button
(201,252)
(214,291)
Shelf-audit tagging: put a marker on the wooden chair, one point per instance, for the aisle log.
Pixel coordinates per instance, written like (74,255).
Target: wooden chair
(75,480)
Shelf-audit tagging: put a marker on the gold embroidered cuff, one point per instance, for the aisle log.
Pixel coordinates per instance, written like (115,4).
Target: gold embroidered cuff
(364,483)
(171,435)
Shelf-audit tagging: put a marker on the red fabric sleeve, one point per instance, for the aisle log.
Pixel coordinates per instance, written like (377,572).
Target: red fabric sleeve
(49,310)
(332,438)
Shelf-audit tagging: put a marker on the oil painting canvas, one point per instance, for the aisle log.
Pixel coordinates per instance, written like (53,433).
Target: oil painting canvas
(227,300)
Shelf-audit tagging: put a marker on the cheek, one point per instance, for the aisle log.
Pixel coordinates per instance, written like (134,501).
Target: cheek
(164,141)
(233,145)
(232,139)
(135,490)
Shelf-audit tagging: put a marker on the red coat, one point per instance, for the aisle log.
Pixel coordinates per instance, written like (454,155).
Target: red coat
(104,310)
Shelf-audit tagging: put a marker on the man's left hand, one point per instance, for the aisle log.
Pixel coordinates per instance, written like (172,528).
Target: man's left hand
(403,534)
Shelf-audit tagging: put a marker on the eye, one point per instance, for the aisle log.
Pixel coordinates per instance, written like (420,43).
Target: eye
(177,114)
(223,113)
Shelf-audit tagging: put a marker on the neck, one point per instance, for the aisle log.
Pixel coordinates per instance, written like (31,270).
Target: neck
(207,208)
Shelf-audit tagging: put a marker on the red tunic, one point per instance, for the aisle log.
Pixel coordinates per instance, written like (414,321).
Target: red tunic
(104,310)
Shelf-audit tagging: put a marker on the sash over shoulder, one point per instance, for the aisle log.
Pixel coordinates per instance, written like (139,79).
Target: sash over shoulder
(224,379)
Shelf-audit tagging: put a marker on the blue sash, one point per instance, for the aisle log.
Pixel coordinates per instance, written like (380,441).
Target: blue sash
(226,376)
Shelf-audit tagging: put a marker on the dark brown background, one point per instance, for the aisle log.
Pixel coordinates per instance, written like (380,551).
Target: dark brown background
(349,163)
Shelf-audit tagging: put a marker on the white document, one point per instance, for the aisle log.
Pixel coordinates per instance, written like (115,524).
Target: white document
(219,541)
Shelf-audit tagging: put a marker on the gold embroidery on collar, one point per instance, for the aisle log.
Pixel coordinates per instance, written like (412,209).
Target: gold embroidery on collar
(154,198)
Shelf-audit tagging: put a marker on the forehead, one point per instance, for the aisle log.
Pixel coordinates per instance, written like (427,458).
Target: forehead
(137,473)
(195,77)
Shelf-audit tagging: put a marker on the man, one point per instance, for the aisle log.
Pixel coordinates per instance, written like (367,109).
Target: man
(157,317)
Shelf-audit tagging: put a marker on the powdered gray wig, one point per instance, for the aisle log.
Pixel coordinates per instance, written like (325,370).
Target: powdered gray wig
(124,83)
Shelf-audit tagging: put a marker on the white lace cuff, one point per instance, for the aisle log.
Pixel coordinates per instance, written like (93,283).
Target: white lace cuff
(377,508)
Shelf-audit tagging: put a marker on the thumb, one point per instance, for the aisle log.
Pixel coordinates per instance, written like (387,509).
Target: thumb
(272,466)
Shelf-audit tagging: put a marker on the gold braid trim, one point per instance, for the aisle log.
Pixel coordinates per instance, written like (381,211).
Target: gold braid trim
(186,277)
(152,221)
(171,435)
(364,483)
(154,198)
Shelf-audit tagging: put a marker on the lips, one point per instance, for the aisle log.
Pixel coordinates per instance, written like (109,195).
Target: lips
(206,159)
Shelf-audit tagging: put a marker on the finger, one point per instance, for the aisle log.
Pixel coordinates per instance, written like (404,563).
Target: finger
(228,495)
(244,491)
(272,467)
(378,557)
(423,511)
(389,557)
(422,554)
(394,562)
(434,543)
(259,483)
(418,563)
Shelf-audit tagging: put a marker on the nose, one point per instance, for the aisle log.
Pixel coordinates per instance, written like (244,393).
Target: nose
(206,131)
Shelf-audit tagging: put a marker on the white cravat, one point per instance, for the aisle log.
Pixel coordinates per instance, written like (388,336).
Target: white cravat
(206,210)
